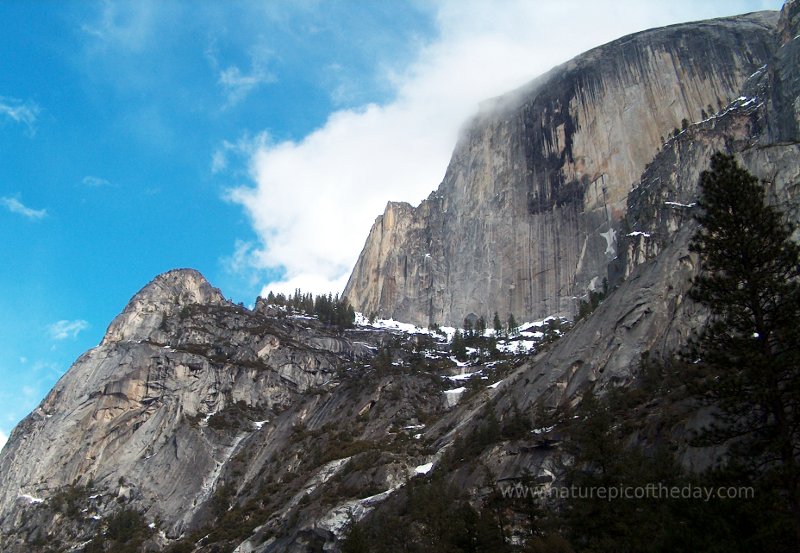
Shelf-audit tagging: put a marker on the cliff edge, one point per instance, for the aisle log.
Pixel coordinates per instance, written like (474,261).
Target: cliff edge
(527,217)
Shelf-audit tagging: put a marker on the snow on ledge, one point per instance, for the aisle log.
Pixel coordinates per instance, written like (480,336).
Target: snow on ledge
(462,376)
(423,469)
(408,328)
(543,430)
(451,397)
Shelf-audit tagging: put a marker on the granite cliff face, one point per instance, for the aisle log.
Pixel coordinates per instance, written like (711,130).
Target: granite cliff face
(527,217)
(649,312)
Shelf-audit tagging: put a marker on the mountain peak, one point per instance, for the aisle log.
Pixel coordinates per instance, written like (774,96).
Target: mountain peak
(789,24)
(164,295)
(185,278)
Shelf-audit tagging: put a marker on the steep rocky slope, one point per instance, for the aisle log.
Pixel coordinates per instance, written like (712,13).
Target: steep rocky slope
(133,413)
(192,409)
(527,216)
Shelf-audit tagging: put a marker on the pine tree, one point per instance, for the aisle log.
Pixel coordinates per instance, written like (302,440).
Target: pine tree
(513,327)
(602,460)
(498,326)
(468,330)
(355,539)
(383,361)
(480,328)
(750,349)
(459,348)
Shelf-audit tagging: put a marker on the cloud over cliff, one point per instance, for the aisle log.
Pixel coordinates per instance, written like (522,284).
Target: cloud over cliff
(312,201)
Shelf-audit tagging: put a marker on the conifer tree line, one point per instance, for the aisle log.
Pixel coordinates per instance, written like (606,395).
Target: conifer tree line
(474,335)
(330,309)
(478,328)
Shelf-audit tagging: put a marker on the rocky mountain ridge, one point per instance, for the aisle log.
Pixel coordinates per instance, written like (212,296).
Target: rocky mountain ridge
(190,400)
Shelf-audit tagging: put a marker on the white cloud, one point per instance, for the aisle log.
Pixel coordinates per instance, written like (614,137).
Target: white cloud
(3,439)
(64,329)
(16,206)
(20,112)
(312,201)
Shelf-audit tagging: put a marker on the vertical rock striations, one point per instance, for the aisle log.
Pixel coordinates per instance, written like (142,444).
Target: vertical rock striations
(649,313)
(527,217)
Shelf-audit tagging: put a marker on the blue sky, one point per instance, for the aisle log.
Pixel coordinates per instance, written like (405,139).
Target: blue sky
(254,141)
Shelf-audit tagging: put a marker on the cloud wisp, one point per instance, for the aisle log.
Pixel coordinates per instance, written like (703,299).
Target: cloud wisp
(95,182)
(61,330)
(242,149)
(15,206)
(236,83)
(22,112)
(124,24)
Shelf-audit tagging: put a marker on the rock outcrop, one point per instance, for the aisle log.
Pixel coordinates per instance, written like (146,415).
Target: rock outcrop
(188,398)
(132,415)
(528,216)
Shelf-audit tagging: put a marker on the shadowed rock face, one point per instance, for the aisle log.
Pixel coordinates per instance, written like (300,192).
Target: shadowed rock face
(528,214)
